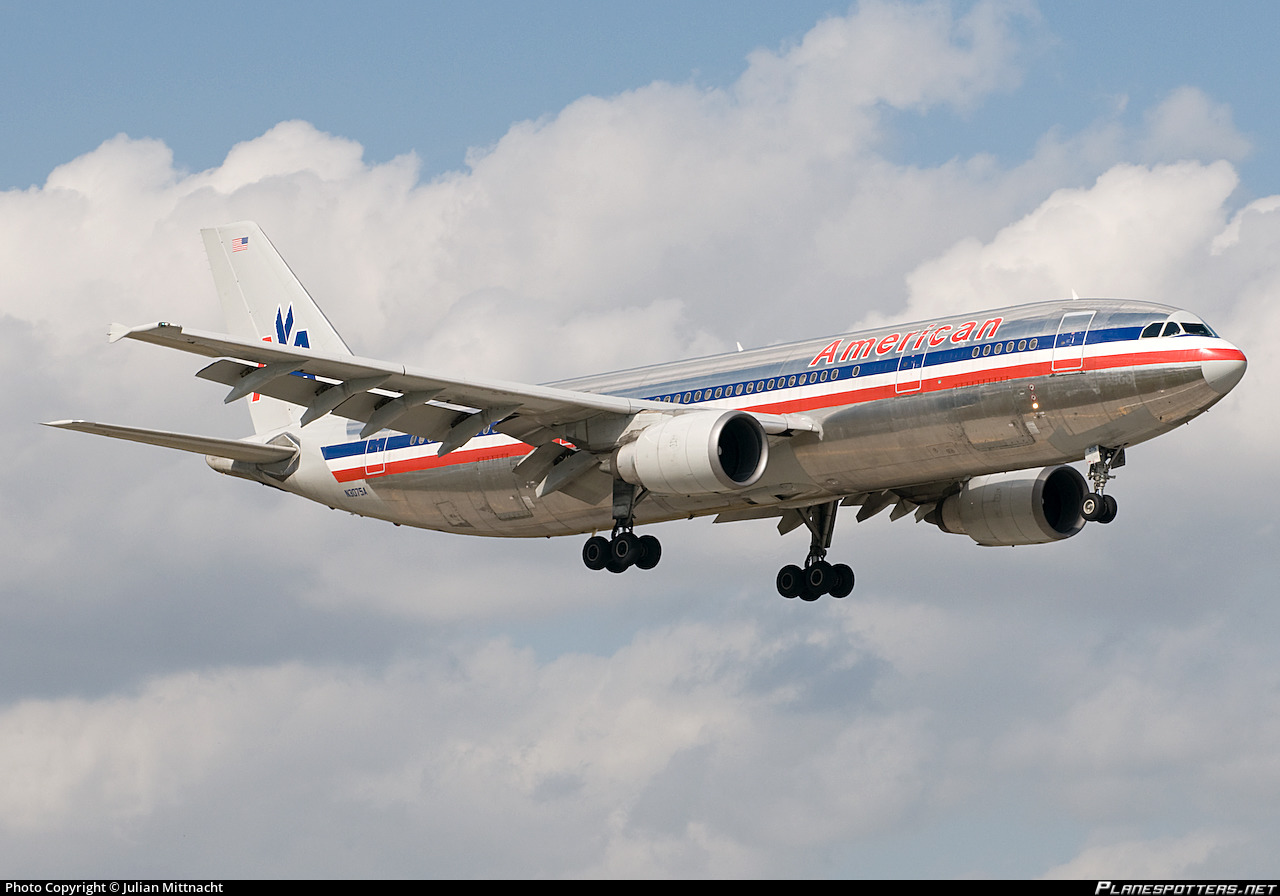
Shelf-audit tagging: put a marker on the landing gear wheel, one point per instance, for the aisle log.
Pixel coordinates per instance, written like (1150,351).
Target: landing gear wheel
(841,580)
(1092,507)
(650,552)
(1109,508)
(818,579)
(595,553)
(790,581)
(624,551)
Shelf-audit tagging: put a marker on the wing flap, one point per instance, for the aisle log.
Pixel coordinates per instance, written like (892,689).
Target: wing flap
(475,393)
(444,409)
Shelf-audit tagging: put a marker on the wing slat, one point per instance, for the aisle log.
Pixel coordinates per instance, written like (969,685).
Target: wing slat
(417,402)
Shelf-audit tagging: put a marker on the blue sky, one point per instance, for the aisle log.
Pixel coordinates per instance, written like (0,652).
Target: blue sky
(198,676)
(438,79)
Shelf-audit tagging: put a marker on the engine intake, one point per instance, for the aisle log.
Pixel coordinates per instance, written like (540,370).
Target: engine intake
(700,453)
(1023,507)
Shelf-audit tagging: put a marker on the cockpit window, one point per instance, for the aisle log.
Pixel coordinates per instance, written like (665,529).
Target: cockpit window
(1179,323)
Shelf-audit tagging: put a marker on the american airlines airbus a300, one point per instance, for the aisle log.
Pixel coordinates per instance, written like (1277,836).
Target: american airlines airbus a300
(968,422)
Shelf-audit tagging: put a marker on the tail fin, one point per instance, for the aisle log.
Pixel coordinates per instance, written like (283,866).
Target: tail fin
(262,299)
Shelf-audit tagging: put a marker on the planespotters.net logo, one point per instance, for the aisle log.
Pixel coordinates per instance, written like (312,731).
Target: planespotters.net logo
(1196,889)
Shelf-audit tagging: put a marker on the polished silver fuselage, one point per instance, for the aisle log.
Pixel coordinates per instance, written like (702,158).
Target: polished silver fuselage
(915,408)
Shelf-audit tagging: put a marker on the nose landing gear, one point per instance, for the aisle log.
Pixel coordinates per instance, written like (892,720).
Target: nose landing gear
(1096,506)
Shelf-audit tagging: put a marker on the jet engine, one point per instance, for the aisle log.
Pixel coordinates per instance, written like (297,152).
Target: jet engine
(700,453)
(1023,507)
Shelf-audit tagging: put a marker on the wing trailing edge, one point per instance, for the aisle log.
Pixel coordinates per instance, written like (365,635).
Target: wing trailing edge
(447,409)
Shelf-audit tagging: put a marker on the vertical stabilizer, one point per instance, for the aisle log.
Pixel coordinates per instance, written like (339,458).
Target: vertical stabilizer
(262,299)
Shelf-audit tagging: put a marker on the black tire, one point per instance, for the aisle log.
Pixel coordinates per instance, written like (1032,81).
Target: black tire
(624,551)
(790,581)
(650,552)
(595,553)
(1109,509)
(1092,505)
(842,585)
(819,578)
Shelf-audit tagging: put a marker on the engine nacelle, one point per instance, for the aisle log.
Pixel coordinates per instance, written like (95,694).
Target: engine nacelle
(1023,507)
(700,453)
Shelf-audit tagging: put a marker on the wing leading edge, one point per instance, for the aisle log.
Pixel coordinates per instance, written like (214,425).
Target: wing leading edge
(447,410)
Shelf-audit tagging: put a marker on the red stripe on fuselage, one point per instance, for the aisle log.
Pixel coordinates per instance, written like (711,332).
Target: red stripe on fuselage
(432,461)
(839,399)
(999,374)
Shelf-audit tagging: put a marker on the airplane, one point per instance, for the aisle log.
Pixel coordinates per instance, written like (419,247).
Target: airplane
(968,422)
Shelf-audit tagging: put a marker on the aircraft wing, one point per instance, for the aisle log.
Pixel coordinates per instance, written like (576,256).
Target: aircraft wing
(449,410)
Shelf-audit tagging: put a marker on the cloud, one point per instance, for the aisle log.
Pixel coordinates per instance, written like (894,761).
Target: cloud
(200,674)
(1189,125)
(1134,233)
(1148,859)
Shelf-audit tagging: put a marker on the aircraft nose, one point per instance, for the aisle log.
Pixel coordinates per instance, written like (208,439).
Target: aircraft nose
(1222,373)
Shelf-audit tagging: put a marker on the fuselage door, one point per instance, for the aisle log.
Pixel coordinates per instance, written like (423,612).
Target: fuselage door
(910,369)
(1068,347)
(375,457)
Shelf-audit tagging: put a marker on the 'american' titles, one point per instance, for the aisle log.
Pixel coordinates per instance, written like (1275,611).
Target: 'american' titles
(932,336)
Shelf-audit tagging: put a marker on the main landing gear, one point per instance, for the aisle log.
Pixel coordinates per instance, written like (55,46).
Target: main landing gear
(818,577)
(1096,506)
(624,549)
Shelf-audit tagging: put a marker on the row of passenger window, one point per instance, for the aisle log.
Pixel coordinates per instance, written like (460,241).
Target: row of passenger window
(1022,345)
(733,390)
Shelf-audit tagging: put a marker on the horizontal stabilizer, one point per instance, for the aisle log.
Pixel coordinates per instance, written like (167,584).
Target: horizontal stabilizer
(249,452)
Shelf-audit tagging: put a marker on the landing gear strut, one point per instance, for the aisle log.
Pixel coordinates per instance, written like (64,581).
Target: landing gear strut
(623,549)
(1096,505)
(818,577)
